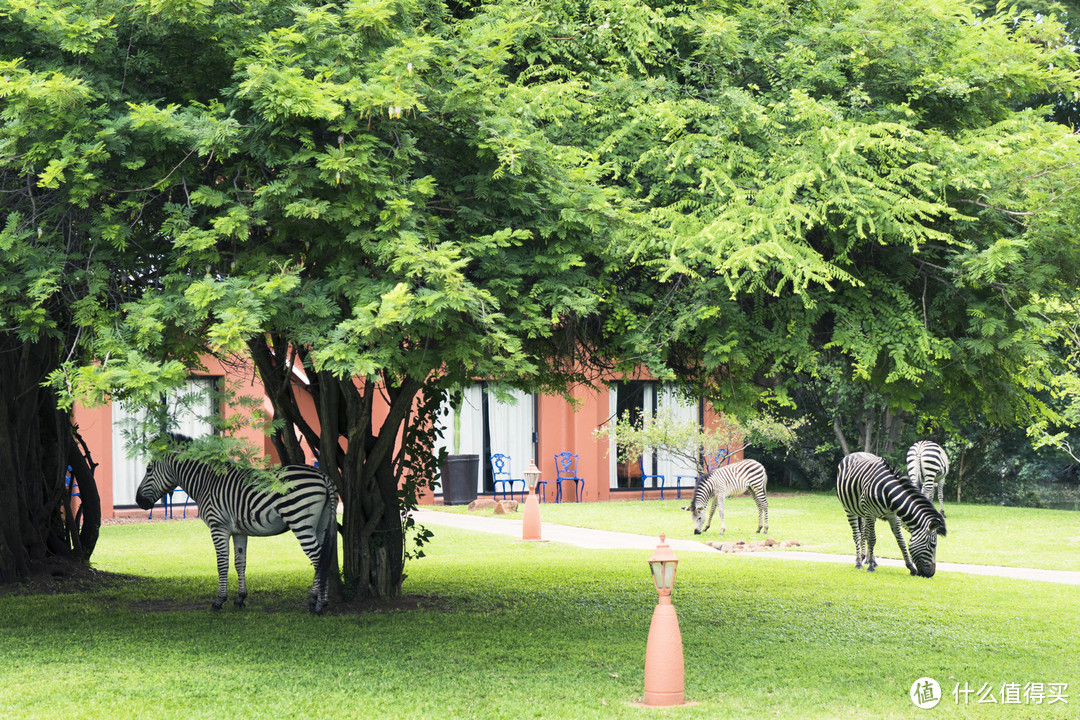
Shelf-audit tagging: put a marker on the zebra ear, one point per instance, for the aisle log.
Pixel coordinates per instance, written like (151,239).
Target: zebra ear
(940,526)
(688,508)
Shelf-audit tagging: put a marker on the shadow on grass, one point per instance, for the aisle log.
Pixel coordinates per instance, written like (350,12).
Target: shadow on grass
(63,578)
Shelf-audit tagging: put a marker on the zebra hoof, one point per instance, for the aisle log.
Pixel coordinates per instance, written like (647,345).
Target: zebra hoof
(216,605)
(239,603)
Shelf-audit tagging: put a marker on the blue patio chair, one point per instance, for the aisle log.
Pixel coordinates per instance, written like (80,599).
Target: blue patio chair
(166,501)
(500,473)
(72,486)
(641,464)
(712,461)
(566,469)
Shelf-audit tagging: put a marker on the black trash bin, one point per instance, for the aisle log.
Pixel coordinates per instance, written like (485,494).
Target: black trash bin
(459,475)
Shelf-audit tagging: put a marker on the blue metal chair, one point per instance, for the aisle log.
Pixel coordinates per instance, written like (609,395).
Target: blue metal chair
(500,473)
(712,461)
(566,469)
(641,464)
(166,501)
(72,487)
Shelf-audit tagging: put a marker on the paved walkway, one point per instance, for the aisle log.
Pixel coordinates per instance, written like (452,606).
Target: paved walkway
(608,540)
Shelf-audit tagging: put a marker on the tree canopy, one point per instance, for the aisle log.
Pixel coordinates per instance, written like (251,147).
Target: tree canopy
(398,197)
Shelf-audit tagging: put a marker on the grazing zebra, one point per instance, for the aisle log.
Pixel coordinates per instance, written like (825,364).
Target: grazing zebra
(927,466)
(729,481)
(869,489)
(231,506)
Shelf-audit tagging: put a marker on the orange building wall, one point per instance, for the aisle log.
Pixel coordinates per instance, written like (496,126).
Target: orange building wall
(562,426)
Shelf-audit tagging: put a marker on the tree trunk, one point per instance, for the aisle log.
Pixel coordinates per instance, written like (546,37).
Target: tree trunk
(840,435)
(37,443)
(358,454)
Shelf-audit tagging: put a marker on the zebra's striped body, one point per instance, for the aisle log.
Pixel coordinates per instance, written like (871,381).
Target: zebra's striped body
(869,490)
(927,466)
(233,508)
(728,481)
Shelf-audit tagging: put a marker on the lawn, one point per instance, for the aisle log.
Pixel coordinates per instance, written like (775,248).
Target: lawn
(977,534)
(504,629)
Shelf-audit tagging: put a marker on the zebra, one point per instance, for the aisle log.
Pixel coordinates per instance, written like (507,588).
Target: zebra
(927,466)
(729,481)
(232,507)
(870,490)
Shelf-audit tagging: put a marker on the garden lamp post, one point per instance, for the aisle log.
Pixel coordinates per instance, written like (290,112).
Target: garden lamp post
(664,652)
(530,524)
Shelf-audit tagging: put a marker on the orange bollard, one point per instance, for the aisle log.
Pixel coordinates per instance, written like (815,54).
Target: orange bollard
(664,679)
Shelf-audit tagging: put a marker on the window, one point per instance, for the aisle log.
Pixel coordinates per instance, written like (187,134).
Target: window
(643,399)
(191,408)
(488,426)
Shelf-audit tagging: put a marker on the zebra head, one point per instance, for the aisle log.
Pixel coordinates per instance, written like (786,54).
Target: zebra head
(697,513)
(159,479)
(923,546)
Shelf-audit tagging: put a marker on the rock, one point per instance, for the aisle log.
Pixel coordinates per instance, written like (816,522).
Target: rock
(769,542)
(482,504)
(505,507)
(790,543)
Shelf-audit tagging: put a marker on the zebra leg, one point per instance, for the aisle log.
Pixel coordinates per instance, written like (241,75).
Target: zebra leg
(894,523)
(240,560)
(762,512)
(310,534)
(941,496)
(712,510)
(857,536)
(221,545)
(871,539)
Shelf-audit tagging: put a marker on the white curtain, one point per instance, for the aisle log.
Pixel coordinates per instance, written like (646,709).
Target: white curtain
(190,417)
(471,435)
(512,428)
(674,467)
(657,396)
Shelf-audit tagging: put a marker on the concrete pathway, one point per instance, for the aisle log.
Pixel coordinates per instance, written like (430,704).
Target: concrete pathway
(608,540)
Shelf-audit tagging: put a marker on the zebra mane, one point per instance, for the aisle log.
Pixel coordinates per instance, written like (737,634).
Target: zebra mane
(889,466)
(921,506)
(179,438)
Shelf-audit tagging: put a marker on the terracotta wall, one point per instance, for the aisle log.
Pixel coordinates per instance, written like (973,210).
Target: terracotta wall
(562,426)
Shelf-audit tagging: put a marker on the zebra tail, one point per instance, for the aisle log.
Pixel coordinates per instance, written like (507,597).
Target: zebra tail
(329,538)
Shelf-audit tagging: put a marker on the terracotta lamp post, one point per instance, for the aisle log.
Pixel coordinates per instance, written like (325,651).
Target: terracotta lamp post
(664,652)
(530,524)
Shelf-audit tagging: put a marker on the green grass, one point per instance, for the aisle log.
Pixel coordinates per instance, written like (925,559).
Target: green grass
(977,534)
(523,630)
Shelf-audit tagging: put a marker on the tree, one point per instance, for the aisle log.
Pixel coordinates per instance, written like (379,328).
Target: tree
(360,199)
(398,198)
(692,442)
(843,193)
(63,267)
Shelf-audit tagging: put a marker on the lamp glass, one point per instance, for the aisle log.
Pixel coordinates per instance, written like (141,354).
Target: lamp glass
(663,564)
(663,575)
(532,475)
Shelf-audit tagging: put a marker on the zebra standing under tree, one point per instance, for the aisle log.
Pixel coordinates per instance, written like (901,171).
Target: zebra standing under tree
(869,490)
(729,481)
(232,507)
(927,466)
